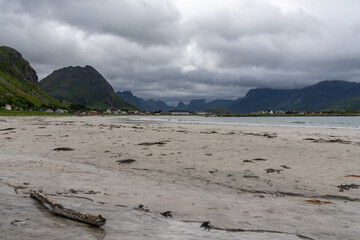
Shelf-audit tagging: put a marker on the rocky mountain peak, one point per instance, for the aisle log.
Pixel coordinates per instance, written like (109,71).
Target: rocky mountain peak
(12,63)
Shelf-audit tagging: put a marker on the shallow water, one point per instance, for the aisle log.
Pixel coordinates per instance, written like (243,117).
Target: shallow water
(306,121)
(35,221)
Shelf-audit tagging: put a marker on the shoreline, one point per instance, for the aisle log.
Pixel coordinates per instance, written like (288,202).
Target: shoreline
(167,120)
(237,177)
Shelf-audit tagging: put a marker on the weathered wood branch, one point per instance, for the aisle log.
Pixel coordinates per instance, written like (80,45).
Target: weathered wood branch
(57,208)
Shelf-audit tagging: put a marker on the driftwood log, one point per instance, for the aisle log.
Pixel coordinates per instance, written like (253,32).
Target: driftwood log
(58,209)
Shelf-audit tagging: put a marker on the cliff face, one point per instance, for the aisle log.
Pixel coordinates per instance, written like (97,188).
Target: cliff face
(19,83)
(82,85)
(12,63)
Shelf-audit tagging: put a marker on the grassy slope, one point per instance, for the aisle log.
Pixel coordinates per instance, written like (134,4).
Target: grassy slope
(24,93)
(348,104)
(18,82)
(4,112)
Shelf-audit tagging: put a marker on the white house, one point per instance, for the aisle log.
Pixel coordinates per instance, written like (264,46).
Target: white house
(61,111)
(7,107)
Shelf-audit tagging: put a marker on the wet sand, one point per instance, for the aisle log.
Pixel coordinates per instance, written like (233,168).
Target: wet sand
(253,180)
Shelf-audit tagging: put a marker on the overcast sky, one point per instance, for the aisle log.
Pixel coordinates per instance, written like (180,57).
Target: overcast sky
(182,49)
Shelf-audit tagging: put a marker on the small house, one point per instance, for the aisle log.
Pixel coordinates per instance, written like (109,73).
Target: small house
(92,112)
(132,112)
(61,111)
(8,107)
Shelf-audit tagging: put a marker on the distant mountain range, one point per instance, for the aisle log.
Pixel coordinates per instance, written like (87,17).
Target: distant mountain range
(149,105)
(194,105)
(316,97)
(83,85)
(325,95)
(19,83)
(20,88)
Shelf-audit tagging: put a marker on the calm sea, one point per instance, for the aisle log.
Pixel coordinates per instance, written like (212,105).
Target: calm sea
(306,121)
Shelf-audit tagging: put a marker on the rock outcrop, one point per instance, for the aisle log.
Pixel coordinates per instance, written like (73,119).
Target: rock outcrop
(12,62)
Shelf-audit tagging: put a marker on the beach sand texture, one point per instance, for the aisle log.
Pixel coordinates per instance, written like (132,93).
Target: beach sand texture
(272,182)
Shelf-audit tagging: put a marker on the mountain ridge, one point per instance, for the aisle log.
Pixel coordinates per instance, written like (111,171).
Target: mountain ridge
(317,97)
(83,85)
(311,98)
(19,86)
(12,63)
(194,105)
(19,83)
(149,105)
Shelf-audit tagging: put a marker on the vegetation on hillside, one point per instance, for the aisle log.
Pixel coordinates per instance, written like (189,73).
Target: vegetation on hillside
(18,84)
(25,95)
(348,104)
(30,113)
(12,63)
(83,85)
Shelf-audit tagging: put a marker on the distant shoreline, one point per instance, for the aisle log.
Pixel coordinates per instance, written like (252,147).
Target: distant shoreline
(35,113)
(340,122)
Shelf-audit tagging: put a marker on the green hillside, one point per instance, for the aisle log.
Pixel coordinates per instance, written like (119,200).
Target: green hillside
(83,85)
(348,104)
(18,83)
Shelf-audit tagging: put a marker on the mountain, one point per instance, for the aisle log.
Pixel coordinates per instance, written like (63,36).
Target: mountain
(195,105)
(83,85)
(15,65)
(312,98)
(181,106)
(325,95)
(159,105)
(19,83)
(347,104)
(149,105)
(220,104)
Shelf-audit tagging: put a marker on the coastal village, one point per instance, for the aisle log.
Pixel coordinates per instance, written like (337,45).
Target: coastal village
(135,112)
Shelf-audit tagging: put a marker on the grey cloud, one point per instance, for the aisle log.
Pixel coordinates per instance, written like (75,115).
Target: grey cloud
(258,35)
(159,51)
(252,19)
(142,21)
(171,84)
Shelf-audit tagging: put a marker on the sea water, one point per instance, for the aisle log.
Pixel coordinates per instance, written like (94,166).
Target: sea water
(304,121)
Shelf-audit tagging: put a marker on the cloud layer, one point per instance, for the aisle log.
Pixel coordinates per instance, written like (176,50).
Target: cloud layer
(183,49)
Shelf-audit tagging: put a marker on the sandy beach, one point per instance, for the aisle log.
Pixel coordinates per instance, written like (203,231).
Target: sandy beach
(259,182)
